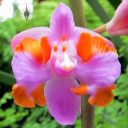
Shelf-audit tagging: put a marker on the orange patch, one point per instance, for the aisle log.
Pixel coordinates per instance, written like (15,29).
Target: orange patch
(46,49)
(38,95)
(100,45)
(102,97)
(80,90)
(21,98)
(84,46)
(28,100)
(55,48)
(64,48)
(63,38)
(31,46)
(88,46)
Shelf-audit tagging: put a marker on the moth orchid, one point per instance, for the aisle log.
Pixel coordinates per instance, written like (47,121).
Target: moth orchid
(119,23)
(56,65)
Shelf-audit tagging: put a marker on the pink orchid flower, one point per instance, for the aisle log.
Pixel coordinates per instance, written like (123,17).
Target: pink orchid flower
(119,23)
(56,65)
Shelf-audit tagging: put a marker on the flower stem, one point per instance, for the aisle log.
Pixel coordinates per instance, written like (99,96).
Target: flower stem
(100,29)
(87,111)
(78,12)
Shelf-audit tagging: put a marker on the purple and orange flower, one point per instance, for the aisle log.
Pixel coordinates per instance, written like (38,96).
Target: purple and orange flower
(56,65)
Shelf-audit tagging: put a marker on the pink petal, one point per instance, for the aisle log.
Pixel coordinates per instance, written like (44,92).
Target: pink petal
(27,71)
(119,23)
(35,33)
(101,70)
(62,24)
(62,103)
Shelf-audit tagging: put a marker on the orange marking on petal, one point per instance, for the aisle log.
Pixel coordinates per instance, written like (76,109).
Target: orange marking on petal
(46,49)
(102,97)
(31,46)
(63,38)
(21,97)
(84,46)
(101,46)
(38,95)
(55,48)
(80,90)
(89,45)
(64,48)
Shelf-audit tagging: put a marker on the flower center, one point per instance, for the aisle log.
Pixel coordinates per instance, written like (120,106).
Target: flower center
(67,64)
(65,54)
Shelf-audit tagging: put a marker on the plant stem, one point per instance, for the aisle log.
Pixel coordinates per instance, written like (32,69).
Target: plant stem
(78,13)
(100,29)
(87,111)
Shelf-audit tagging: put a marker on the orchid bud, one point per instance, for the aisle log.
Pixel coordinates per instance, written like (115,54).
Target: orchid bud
(119,23)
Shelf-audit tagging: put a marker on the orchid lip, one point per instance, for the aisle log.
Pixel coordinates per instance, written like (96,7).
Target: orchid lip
(67,64)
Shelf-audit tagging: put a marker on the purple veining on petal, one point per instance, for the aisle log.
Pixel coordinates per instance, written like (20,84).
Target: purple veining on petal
(101,70)
(62,103)
(35,33)
(62,23)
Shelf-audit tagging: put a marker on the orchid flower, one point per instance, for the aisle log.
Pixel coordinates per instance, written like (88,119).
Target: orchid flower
(56,65)
(119,23)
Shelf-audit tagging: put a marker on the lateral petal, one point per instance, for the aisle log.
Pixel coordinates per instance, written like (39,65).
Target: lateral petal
(101,70)
(26,69)
(101,66)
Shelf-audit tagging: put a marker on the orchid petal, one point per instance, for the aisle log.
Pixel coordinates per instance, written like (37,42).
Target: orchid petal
(35,33)
(102,69)
(26,70)
(28,89)
(101,96)
(62,103)
(100,66)
(26,97)
(119,23)
(94,34)
(62,24)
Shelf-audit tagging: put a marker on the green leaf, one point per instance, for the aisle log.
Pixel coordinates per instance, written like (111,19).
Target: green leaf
(6,78)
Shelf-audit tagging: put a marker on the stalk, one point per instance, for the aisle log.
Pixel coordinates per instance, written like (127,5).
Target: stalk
(87,111)
(100,29)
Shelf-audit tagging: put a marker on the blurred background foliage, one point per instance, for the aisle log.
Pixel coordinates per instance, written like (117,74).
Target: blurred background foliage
(115,115)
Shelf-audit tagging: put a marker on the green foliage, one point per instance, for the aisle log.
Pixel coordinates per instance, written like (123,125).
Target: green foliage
(116,114)
(113,116)
(15,117)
